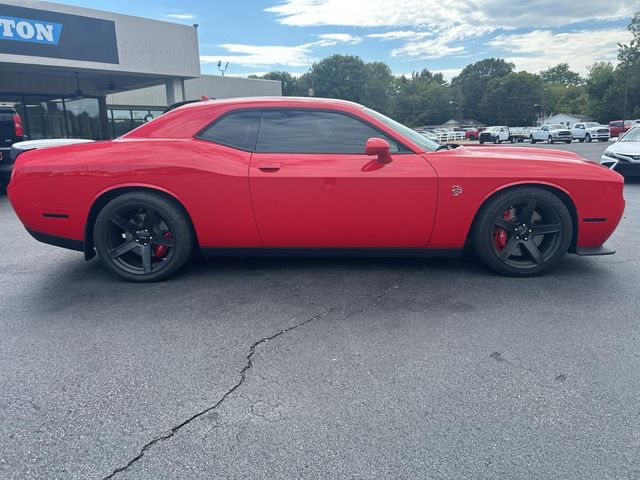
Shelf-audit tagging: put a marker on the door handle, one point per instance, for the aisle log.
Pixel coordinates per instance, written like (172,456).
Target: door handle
(270,168)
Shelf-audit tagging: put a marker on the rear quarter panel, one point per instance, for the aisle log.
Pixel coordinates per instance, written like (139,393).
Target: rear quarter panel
(210,181)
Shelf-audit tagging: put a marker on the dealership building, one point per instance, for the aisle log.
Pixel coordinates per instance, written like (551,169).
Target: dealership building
(82,73)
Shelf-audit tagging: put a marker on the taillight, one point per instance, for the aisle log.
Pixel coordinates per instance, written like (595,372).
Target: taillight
(17,125)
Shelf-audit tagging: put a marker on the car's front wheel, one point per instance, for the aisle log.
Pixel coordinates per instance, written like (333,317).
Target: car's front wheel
(549,139)
(143,237)
(531,139)
(522,232)
(587,138)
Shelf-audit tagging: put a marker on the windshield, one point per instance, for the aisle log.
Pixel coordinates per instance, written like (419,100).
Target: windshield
(592,124)
(415,137)
(556,126)
(632,135)
(493,129)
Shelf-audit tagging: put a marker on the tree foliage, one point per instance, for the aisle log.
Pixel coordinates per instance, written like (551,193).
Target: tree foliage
(562,75)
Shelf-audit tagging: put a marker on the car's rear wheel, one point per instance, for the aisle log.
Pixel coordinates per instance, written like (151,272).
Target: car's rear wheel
(522,232)
(143,237)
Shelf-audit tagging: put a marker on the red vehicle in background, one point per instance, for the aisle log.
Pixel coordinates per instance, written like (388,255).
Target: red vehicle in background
(618,127)
(296,175)
(471,134)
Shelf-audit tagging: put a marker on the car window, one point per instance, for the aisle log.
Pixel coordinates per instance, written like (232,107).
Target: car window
(309,131)
(237,129)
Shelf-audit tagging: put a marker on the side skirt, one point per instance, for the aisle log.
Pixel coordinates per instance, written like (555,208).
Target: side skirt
(332,252)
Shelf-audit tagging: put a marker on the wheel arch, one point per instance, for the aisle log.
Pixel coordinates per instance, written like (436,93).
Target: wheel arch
(564,196)
(104,197)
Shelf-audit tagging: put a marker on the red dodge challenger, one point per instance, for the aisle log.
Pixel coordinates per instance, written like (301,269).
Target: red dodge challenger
(307,175)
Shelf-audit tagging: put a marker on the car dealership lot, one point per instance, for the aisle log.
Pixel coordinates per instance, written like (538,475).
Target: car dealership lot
(342,368)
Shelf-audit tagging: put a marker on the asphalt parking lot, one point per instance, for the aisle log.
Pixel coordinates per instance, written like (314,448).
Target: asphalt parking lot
(253,368)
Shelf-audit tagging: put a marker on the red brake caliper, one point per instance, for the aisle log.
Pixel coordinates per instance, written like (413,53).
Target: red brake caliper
(500,235)
(160,250)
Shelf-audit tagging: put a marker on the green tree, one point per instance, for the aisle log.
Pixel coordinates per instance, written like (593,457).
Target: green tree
(471,84)
(422,99)
(290,85)
(379,87)
(510,100)
(561,74)
(339,76)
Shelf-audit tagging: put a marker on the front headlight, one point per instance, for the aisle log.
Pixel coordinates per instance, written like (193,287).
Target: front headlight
(609,154)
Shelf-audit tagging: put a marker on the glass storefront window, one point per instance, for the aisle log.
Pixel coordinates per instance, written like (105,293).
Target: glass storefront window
(47,117)
(120,122)
(83,117)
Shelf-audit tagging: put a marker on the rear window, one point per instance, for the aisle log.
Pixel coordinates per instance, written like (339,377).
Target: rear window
(237,130)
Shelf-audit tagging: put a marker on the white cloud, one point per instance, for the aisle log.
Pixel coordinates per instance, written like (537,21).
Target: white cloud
(540,49)
(495,13)
(399,34)
(440,46)
(263,55)
(267,55)
(450,21)
(181,16)
(328,39)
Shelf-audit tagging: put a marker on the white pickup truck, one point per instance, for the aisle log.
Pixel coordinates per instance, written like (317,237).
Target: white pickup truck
(587,131)
(550,133)
(502,133)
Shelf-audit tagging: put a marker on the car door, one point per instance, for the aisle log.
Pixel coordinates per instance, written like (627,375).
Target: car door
(313,186)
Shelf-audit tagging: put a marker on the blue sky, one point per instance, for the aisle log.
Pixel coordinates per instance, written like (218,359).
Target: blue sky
(263,35)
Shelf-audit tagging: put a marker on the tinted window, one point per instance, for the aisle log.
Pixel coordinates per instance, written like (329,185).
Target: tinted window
(237,130)
(305,131)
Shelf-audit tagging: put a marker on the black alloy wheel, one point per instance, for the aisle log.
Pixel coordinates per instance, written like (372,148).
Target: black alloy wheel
(522,232)
(143,237)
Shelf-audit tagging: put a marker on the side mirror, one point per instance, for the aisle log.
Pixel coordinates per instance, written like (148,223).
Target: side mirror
(379,147)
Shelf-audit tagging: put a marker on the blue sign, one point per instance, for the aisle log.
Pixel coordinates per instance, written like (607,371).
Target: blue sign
(26,30)
(46,33)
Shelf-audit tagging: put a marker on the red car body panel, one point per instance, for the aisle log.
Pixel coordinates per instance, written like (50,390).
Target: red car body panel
(237,199)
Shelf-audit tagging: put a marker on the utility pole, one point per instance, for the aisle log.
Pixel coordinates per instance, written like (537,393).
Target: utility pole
(625,48)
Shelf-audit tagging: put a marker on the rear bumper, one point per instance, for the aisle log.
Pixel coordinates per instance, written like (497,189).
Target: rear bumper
(63,242)
(601,250)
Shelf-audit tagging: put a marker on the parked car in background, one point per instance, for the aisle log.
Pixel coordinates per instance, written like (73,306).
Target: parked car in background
(623,156)
(588,131)
(11,131)
(258,175)
(472,134)
(618,127)
(550,133)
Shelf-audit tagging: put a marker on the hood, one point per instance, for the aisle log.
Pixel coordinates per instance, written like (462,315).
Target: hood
(625,148)
(523,153)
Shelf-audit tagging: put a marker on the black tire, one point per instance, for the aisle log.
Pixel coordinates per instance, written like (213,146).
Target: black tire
(496,140)
(550,140)
(532,140)
(481,142)
(143,237)
(512,140)
(524,253)
(587,138)
(581,140)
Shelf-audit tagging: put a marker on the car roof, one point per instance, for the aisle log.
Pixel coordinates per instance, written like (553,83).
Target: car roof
(276,101)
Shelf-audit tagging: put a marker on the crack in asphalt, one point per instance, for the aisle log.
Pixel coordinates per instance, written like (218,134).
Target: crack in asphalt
(243,376)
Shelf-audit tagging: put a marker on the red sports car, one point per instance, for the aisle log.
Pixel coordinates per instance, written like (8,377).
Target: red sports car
(308,175)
